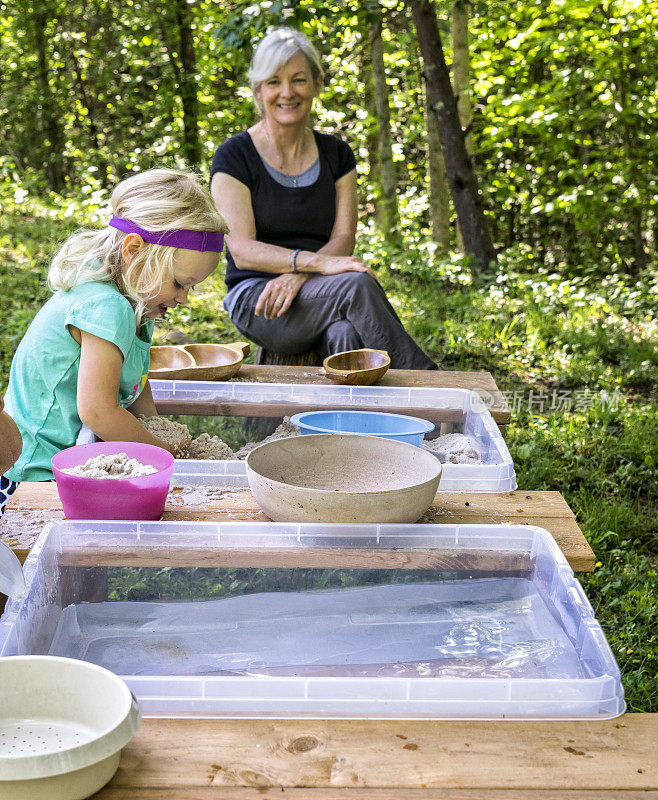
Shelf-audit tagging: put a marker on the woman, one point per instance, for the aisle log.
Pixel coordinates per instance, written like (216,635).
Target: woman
(288,194)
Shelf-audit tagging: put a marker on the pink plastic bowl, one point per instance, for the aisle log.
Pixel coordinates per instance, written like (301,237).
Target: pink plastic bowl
(113,498)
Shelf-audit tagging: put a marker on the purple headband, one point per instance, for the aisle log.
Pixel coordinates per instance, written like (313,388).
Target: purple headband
(189,240)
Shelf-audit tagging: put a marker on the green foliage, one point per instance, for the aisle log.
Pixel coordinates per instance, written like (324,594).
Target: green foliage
(190,583)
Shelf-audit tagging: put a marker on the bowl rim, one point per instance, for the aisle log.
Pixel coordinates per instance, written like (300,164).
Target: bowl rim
(68,759)
(340,492)
(427,426)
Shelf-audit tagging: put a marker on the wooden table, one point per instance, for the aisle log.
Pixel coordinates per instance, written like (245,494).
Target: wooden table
(180,759)
(40,502)
(480,382)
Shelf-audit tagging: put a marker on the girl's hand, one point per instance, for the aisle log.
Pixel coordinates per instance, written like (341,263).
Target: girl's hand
(177,448)
(333,265)
(278,294)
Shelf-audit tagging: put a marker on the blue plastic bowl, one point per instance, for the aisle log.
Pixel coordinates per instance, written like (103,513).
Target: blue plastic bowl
(371,423)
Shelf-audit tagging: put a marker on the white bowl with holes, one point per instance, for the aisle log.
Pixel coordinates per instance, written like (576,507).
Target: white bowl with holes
(63,723)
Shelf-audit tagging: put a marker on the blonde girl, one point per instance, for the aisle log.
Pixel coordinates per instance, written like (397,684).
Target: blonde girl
(85,356)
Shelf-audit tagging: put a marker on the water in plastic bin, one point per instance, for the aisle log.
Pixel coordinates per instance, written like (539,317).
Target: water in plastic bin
(484,627)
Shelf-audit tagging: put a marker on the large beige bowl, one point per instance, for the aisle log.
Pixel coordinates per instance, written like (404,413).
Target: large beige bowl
(342,478)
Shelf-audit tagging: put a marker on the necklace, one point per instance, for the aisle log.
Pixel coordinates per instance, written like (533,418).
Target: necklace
(294,178)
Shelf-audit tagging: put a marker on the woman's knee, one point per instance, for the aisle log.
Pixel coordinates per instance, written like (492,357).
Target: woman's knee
(362,283)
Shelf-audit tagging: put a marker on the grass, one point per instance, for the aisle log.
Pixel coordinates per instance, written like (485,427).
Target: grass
(544,334)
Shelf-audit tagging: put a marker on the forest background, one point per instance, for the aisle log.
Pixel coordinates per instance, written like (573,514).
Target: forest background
(559,101)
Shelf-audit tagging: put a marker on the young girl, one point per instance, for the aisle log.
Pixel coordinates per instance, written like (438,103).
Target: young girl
(85,356)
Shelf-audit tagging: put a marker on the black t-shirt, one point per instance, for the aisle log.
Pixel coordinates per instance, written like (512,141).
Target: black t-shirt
(288,217)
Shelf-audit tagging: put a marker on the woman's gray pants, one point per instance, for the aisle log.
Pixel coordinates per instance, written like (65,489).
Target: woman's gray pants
(332,313)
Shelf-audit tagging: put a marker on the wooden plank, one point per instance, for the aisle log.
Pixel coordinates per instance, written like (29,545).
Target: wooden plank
(35,503)
(339,558)
(228,408)
(471,506)
(481,382)
(260,793)
(558,756)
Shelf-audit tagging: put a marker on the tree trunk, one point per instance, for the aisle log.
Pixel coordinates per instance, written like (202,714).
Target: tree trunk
(372,144)
(184,75)
(461,178)
(187,87)
(388,200)
(461,75)
(439,200)
(461,68)
(88,101)
(52,128)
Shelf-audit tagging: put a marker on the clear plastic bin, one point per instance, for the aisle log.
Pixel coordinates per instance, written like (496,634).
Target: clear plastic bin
(460,409)
(277,619)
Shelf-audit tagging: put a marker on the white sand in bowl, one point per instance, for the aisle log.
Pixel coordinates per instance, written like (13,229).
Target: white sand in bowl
(118,465)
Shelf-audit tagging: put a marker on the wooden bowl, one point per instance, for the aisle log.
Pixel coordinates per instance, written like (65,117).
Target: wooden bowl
(216,362)
(342,478)
(169,362)
(357,367)
(204,362)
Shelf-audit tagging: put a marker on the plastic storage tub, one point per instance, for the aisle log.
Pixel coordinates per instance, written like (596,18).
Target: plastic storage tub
(372,423)
(321,620)
(458,409)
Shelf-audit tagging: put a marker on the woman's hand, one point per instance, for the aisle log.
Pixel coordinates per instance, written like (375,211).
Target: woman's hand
(278,294)
(333,265)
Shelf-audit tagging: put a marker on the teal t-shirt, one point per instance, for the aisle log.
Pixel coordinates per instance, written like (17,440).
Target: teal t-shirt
(43,380)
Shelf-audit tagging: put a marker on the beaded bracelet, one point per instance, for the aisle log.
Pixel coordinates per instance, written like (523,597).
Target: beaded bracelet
(292,261)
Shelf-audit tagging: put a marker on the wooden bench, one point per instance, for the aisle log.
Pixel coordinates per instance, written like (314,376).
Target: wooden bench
(314,759)
(309,358)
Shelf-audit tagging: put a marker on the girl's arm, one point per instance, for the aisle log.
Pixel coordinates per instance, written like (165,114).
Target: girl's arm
(11,442)
(143,405)
(98,390)
(233,200)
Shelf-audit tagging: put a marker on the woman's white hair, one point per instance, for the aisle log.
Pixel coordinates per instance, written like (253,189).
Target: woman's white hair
(157,200)
(276,49)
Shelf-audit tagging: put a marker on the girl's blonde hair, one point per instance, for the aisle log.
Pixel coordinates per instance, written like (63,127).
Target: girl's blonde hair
(157,200)
(276,49)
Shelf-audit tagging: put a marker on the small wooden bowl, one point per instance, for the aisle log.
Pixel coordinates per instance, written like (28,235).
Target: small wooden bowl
(216,362)
(357,367)
(169,362)
(202,362)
